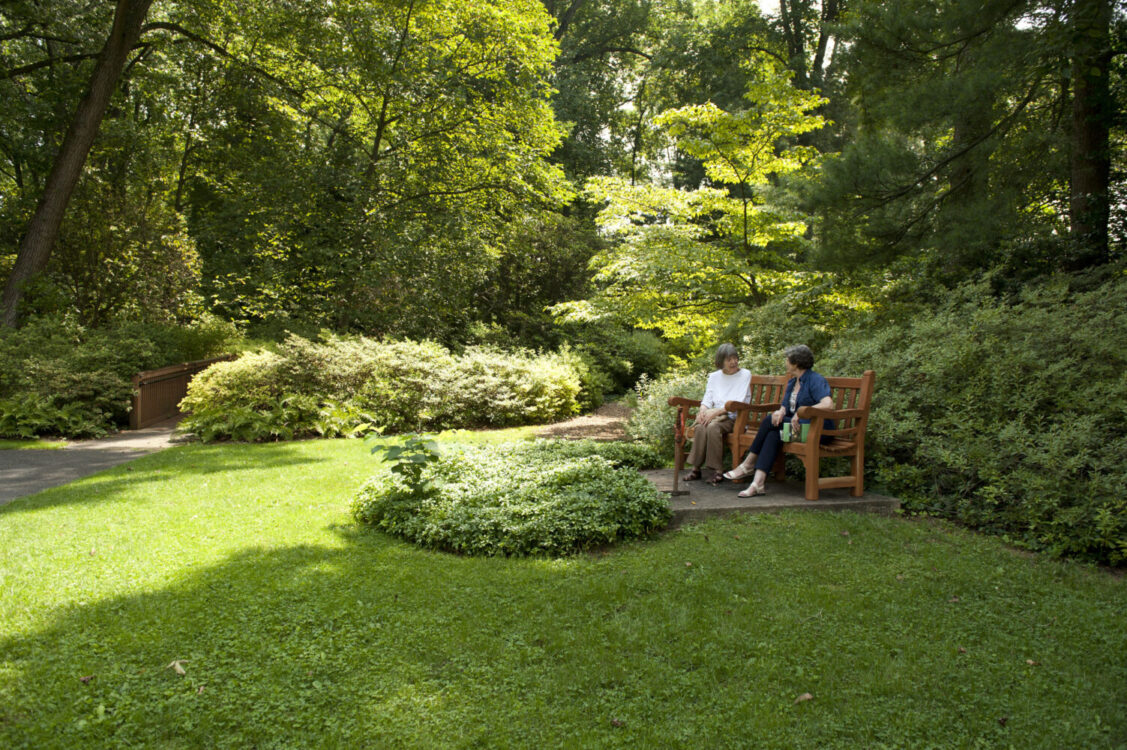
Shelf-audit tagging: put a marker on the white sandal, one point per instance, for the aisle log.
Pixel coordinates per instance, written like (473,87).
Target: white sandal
(753,490)
(732,476)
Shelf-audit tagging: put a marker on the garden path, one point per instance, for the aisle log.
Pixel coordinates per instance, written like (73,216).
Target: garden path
(608,422)
(26,472)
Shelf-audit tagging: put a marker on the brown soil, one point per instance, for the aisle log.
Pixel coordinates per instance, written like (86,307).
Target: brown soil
(608,422)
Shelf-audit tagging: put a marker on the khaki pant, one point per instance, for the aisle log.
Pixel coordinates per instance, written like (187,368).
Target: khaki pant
(708,443)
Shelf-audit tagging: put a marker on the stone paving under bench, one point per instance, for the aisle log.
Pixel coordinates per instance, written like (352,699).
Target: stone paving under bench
(705,501)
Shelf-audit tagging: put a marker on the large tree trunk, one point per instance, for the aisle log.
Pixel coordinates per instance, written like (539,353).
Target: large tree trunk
(1091,117)
(43,229)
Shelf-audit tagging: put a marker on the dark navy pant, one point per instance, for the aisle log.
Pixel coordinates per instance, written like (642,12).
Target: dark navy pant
(767,443)
(769,440)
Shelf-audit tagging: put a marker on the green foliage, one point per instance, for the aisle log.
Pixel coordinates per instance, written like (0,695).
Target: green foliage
(1007,416)
(374,191)
(58,377)
(409,459)
(618,356)
(948,100)
(543,498)
(349,385)
(684,258)
(652,419)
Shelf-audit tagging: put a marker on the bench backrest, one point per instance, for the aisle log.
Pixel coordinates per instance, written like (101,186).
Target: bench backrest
(847,393)
(852,393)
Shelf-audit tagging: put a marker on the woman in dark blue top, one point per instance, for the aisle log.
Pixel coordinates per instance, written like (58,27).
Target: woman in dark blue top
(804,388)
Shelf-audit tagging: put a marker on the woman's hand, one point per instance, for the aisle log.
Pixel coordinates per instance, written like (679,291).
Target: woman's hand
(778,416)
(704,416)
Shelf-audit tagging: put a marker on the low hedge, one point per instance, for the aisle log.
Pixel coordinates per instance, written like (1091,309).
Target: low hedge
(532,498)
(348,385)
(58,377)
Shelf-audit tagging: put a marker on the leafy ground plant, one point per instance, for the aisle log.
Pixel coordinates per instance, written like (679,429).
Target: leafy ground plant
(545,497)
(408,459)
(296,628)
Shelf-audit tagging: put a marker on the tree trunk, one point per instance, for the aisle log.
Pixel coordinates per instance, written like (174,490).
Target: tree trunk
(1091,117)
(43,229)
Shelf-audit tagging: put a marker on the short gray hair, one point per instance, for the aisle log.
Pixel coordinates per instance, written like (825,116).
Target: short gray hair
(723,352)
(800,356)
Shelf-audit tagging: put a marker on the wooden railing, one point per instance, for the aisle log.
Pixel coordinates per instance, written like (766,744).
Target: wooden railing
(157,393)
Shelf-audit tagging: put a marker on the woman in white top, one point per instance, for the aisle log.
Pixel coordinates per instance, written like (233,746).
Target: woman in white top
(714,423)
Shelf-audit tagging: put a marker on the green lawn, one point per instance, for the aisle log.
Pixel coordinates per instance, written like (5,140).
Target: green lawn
(295,628)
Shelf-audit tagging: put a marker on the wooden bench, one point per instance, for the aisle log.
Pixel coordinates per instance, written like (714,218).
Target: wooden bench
(762,387)
(852,398)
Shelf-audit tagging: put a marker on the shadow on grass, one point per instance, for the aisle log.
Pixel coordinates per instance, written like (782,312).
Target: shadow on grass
(151,472)
(280,647)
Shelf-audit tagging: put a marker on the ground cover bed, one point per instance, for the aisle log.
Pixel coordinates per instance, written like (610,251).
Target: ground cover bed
(221,595)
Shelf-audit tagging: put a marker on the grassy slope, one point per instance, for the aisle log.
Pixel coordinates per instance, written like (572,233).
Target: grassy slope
(298,629)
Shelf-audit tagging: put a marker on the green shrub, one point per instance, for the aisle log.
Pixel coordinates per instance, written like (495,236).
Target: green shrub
(345,385)
(60,378)
(621,355)
(1009,417)
(539,498)
(762,334)
(652,418)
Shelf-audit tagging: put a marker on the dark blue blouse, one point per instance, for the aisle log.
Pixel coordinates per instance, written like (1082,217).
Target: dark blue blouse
(814,389)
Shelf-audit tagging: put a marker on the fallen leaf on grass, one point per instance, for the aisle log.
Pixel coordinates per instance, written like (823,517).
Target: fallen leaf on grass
(900,578)
(804,697)
(962,650)
(1002,720)
(86,680)
(617,723)
(175,666)
(1032,663)
(735,536)
(952,600)
(688,565)
(845,533)
(199,690)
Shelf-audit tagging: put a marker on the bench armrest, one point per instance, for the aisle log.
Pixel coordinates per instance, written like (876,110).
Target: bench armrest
(807,412)
(678,401)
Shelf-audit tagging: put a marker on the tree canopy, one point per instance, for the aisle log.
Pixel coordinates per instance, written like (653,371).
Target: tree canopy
(428,168)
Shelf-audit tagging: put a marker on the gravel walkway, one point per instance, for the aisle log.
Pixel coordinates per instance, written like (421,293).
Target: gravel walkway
(608,422)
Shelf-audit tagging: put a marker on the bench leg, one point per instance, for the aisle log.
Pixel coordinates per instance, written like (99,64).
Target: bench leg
(857,468)
(811,464)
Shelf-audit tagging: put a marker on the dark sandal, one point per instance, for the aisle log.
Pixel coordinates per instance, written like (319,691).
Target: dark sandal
(717,479)
(692,476)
